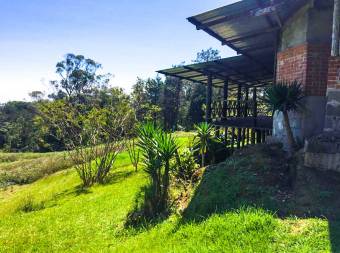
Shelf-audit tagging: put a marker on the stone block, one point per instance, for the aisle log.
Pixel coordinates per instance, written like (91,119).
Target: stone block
(323,151)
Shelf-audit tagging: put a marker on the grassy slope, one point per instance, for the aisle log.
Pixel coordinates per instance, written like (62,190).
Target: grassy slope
(68,220)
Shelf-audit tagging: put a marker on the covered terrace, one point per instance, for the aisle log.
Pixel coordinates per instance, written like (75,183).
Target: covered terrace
(240,114)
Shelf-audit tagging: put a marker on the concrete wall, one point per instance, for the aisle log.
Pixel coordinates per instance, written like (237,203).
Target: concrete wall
(303,56)
(333,96)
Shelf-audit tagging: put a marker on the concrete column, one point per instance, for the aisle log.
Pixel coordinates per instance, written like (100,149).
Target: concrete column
(336,29)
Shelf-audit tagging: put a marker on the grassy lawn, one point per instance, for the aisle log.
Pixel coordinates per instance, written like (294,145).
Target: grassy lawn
(227,213)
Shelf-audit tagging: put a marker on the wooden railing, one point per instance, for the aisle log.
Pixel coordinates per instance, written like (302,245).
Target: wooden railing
(237,109)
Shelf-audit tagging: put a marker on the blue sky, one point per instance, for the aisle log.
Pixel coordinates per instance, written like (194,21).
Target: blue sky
(129,38)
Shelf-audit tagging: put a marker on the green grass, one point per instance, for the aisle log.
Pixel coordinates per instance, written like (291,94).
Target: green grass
(62,218)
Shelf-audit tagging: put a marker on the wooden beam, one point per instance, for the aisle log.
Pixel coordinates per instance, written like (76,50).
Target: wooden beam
(225,42)
(208,100)
(252,34)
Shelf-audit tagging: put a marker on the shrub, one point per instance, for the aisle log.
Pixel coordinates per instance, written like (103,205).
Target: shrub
(186,167)
(27,204)
(210,148)
(204,134)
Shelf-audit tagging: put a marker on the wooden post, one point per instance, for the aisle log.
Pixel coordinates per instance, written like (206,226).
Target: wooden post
(225,107)
(254,131)
(245,115)
(255,106)
(246,102)
(225,99)
(239,94)
(336,28)
(208,100)
(253,136)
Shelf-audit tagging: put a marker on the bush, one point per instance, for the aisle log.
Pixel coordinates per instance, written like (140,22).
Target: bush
(27,204)
(185,167)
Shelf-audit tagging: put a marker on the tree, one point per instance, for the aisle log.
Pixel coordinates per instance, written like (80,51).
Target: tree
(18,132)
(209,54)
(197,91)
(78,78)
(171,102)
(36,95)
(93,137)
(146,99)
(285,97)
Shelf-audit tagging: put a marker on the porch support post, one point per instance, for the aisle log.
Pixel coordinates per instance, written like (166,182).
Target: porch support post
(253,131)
(239,96)
(246,111)
(336,29)
(208,100)
(225,99)
(225,108)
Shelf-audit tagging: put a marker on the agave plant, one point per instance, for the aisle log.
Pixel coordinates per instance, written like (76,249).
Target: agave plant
(204,135)
(285,97)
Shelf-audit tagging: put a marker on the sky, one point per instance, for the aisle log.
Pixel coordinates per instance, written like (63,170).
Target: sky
(130,38)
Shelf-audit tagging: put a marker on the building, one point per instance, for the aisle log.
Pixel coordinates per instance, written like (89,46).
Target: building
(275,40)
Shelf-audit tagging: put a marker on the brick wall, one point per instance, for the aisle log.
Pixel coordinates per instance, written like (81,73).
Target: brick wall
(334,73)
(307,64)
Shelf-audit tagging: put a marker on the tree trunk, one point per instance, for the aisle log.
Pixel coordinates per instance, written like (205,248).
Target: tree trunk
(290,136)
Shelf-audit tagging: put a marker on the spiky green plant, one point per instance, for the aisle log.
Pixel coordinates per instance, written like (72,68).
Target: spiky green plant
(285,97)
(158,148)
(166,148)
(204,133)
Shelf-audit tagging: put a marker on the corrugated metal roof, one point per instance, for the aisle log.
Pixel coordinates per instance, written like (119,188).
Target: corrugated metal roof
(237,69)
(250,27)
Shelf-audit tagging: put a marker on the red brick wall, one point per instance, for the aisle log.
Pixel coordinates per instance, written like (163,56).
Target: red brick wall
(333,72)
(307,64)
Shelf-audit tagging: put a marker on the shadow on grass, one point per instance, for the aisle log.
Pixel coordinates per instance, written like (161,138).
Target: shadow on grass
(260,177)
(142,216)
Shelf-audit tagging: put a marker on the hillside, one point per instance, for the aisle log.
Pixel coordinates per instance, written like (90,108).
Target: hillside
(241,205)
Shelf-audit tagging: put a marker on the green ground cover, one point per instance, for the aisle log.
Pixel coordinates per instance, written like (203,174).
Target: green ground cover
(232,210)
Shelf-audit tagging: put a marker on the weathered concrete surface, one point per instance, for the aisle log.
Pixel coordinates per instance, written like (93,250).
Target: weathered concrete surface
(323,151)
(332,122)
(304,124)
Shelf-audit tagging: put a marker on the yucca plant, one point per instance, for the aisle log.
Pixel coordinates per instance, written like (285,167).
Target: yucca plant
(285,97)
(204,133)
(158,148)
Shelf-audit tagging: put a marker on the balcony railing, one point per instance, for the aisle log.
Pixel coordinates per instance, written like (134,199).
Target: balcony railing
(238,109)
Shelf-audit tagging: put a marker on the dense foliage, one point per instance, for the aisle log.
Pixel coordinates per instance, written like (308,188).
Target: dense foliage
(171,103)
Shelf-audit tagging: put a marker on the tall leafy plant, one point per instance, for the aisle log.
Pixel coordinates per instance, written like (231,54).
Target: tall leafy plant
(285,97)
(158,149)
(204,133)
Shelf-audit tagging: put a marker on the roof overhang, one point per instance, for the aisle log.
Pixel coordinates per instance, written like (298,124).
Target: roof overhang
(238,70)
(250,27)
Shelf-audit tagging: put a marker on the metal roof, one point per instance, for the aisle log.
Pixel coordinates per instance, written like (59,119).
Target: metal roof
(250,27)
(237,70)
